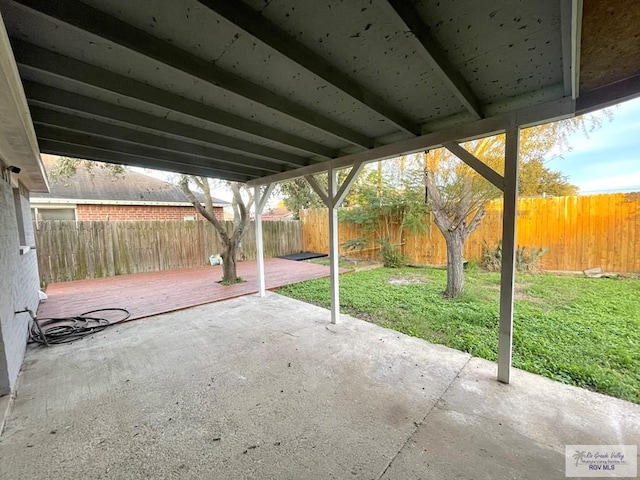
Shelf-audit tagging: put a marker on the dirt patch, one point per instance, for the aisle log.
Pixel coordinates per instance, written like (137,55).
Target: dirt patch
(354,264)
(406,280)
(361,263)
(521,293)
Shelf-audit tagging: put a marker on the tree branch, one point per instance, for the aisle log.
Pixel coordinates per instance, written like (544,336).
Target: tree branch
(240,207)
(475,221)
(438,207)
(209,215)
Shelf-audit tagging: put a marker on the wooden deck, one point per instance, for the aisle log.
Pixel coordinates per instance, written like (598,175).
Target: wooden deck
(153,293)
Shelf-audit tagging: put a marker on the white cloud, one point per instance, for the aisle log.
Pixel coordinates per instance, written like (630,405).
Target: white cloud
(612,183)
(606,161)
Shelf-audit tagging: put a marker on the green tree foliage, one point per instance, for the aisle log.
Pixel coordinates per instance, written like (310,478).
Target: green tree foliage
(537,179)
(387,203)
(66,167)
(298,195)
(457,193)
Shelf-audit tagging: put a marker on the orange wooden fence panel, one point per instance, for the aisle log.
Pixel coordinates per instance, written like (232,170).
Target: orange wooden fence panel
(579,232)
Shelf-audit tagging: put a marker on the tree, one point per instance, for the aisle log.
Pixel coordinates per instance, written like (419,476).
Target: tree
(457,194)
(456,197)
(298,195)
(537,179)
(386,202)
(230,240)
(66,167)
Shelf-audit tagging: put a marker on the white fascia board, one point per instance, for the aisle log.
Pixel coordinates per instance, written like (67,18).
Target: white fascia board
(18,144)
(576,40)
(45,206)
(78,201)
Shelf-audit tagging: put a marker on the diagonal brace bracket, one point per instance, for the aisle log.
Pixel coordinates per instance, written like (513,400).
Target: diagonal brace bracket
(262,195)
(482,168)
(328,198)
(319,190)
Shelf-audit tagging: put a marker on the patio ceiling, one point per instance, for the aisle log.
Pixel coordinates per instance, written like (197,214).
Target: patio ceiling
(254,90)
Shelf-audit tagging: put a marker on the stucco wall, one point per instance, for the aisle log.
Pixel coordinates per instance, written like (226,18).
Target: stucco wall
(19,282)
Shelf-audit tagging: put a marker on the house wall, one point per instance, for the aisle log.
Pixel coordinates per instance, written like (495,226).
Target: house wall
(19,283)
(138,212)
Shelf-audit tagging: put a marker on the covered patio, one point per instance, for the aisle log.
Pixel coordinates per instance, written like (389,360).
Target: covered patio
(261,93)
(264,388)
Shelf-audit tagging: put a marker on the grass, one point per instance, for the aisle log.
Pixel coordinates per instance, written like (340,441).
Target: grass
(576,330)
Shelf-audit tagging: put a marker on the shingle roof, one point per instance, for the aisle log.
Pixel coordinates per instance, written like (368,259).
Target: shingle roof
(98,184)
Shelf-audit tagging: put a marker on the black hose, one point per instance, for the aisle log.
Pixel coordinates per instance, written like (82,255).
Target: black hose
(51,331)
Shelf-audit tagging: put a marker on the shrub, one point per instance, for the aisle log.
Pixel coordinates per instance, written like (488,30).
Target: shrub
(391,255)
(527,258)
(491,258)
(529,261)
(355,243)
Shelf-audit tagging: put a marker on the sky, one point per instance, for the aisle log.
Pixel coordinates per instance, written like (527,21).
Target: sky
(606,161)
(609,159)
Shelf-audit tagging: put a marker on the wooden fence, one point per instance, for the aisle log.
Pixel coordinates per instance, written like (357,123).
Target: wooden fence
(69,250)
(580,232)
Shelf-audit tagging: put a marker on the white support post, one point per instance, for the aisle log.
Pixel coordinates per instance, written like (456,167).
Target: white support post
(333,198)
(262,288)
(507,279)
(260,200)
(333,244)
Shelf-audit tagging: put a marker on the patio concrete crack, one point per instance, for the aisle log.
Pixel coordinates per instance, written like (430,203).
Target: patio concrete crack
(502,423)
(419,424)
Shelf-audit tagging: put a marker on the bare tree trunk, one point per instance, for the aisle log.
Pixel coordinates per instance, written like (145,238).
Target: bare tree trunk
(240,222)
(455,264)
(229,271)
(452,217)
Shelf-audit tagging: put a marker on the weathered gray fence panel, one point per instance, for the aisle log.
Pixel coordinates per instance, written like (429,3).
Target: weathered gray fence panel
(70,250)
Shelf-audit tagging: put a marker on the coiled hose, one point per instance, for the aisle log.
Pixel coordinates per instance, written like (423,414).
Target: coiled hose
(51,331)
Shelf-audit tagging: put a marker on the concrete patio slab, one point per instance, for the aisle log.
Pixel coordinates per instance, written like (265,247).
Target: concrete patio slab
(255,388)
(480,424)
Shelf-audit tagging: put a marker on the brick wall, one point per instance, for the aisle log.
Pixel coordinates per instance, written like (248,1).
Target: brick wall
(19,282)
(138,212)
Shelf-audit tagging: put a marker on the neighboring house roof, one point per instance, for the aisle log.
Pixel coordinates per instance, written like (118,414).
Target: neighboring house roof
(98,185)
(277,213)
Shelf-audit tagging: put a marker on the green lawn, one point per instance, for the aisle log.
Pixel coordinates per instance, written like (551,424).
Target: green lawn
(576,330)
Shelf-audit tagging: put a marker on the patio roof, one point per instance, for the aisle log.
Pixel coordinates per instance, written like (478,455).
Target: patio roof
(246,90)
